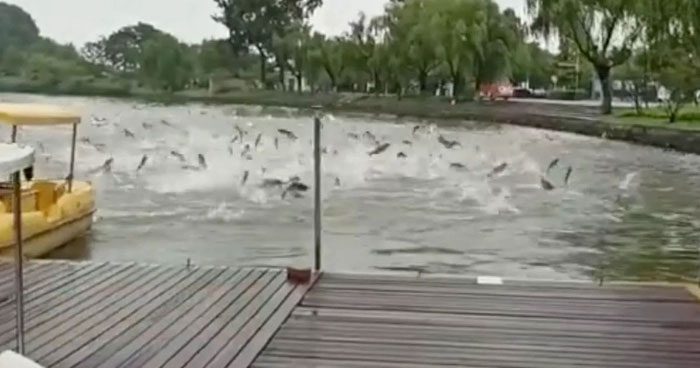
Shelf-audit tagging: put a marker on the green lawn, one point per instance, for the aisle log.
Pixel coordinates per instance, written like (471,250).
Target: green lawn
(688,119)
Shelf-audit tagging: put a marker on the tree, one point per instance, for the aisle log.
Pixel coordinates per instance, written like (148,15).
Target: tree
(410,27)
(603,31)
(17,28)
(498,36)
(254,23)
(331,55)
(294,52)
(674,46)
(165,63)
(121,50)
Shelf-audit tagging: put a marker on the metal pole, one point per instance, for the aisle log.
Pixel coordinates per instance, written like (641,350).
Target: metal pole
(14,133)
(317,193)
(19,275)
(72,158)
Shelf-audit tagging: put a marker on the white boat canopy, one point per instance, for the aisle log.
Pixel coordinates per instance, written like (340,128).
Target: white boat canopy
(14,158)
(33,114)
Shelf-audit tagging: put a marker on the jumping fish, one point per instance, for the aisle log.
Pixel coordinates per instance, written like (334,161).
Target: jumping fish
(367,134)
(546,185)
(144,159)
(105,167)
(401,155)
(552,164)
(178,155)
(287,134)
(294,188)
(240,131)
(568,175)
(498,169)
(415,129)
(234,139)
(457,165)
(353,136)
(277,143)
(271,183)
(245,177)
(166,123)
(146,125)
(337,182)
(128,133)
(257,140)
(381,148)
(407,142)
(202,161)
(246,150)
(447,143)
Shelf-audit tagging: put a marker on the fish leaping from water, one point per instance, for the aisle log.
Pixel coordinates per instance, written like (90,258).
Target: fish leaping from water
(381,148)
(287,134)
(498,169)
(144,159)
(447,143)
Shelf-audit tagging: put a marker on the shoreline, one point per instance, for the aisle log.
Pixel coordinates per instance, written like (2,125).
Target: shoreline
(582,120)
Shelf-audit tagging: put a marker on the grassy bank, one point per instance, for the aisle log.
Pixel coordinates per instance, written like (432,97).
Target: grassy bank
(688,118)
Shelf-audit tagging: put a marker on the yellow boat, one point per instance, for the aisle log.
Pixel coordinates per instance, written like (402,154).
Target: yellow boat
(54,212)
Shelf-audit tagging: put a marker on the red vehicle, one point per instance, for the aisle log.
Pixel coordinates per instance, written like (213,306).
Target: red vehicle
(495,91)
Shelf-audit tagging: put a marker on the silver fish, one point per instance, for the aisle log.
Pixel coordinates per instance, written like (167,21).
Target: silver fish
(144,159)
(552,164)
(257,140)
(498,169)
(568,175)
(381,148)
(128,133)
(447,143)
(202,161)
(178,155)
(287,134)
(245,177)
(457,165)
(546,185)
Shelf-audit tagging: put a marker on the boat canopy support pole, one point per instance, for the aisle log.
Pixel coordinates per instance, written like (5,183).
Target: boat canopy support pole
(19,271)
(317,192)
(14,134)
(72,158)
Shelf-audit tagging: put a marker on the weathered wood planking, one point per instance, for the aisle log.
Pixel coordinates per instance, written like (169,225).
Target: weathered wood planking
(376,321)
(128,315)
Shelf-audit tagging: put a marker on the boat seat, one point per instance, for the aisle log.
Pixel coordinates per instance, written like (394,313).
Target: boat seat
(46,194)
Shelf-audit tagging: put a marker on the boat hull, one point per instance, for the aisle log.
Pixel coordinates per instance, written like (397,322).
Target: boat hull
(41,244)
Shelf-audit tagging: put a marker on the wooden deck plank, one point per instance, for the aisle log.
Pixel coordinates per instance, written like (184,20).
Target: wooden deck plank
(200,332)
(235,326)
(58,331)
(48,315)
(246,356)
(159,306)
(133,350)
(353,321)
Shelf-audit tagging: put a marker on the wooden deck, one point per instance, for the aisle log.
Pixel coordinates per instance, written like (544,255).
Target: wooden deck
(367,321)
(107,315)
(127,315)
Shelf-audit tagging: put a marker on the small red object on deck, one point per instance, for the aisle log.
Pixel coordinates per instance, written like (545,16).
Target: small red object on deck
(298,276)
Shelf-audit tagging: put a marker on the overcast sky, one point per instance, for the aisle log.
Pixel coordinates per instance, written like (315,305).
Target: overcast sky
(79,21)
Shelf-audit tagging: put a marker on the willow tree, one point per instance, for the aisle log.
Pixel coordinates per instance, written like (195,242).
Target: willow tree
(255,23)
(604,31)
(412,33)
(493,50)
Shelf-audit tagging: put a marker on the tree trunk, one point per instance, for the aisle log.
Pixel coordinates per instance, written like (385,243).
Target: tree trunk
(263,67)
(300,80)
(377,82)
(423,80)
(456,85)
(603,72)
(283,83)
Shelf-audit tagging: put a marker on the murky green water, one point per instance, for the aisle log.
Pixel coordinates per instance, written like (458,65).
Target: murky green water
(628,212)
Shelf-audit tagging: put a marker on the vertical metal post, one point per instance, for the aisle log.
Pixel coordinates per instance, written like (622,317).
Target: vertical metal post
(14,133)
(19,272)
(72,158)
(317,193)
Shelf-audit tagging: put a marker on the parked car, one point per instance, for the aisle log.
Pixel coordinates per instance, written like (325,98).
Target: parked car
(495,91)
(523,93)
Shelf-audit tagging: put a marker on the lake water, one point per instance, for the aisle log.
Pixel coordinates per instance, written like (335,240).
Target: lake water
(628,212)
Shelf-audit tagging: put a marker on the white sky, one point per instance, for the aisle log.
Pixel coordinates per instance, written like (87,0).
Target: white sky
(80,21)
